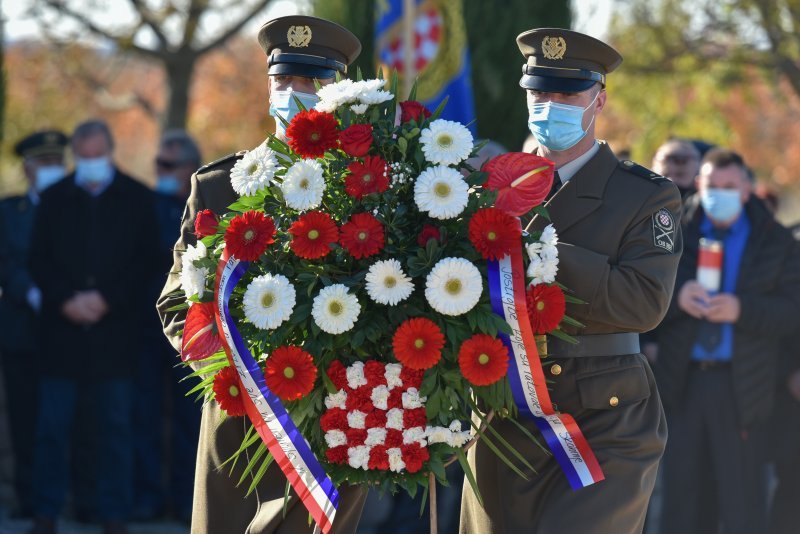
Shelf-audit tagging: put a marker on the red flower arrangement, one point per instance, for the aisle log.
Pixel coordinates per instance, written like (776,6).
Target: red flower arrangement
(312,235)
(429,232)
(312,132)
(249,235)
(205,223)
(418,343)
(483,359)
(356,139)
(366,178)
(290,372)
(228,392)
(493,233)
(413,110)
(546,307)
(362,236)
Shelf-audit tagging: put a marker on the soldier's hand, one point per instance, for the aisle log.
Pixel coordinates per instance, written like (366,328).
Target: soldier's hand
(76,311)
(693,299)
(723,308)
(794,385)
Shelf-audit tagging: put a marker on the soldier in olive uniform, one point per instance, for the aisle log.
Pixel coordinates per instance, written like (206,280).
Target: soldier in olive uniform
(619,248)
(301,49)
(42,156)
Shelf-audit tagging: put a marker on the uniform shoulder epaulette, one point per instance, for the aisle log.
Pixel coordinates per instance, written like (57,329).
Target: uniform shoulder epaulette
(223,159)
(642,172)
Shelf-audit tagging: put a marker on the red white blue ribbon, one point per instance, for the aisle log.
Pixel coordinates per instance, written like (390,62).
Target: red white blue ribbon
(269,417)
(525,374)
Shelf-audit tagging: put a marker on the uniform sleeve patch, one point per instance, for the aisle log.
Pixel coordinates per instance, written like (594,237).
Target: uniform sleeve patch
(664,230)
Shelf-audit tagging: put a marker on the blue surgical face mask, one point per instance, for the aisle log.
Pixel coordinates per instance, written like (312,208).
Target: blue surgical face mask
(168,184)
(93,171)
(558,126)
(282,103)
(48,175)
(721,205)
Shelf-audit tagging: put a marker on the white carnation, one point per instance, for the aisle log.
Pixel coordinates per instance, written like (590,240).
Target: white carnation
(394,419)
(336,400)
(359,109)
(335,438)
(356,419)
(380,397)
(375,436)
(358,457)
(411,399)
(392,375)
(192,278)
(414,435)
(549,236)
(438,434)
(396,462)
(355,375)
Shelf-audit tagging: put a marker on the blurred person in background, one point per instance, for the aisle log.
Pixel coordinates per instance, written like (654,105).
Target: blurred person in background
(719,349)
(161,401)
(678,160)
(93,252)
(42,156)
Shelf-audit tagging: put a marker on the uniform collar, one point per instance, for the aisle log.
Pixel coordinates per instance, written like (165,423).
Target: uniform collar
(568,170)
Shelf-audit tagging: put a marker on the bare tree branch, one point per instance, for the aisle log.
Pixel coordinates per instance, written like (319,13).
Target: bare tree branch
(235,28)
(148,18)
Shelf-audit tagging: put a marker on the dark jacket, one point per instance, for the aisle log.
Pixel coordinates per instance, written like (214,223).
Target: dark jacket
(769,292)
(108,243)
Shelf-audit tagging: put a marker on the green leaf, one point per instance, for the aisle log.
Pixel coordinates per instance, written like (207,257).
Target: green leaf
(477,178)
(260,474)
(563,336)
(436,114)
(462,460)
(260,451)
(402,144)
(412,95)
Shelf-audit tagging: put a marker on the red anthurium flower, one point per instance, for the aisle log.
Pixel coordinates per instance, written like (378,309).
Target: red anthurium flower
(522,181)
(483,359)
(362,236)
(493,233)
(413,110)
(313,234)
(367,178)
(249,235)
(418,343)
(200,337)
(356,139)
(546,307)
(205,223)
(290,372)
(312,132)
(228,392)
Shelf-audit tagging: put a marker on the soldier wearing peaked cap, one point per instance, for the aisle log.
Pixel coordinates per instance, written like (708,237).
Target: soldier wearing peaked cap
(300,50)
(619,247)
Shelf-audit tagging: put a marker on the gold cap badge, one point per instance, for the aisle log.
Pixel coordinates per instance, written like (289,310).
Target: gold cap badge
(554,47)
(299,36)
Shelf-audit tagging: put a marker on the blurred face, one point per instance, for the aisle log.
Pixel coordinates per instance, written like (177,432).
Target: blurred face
(168,162)
(32,164)
(678,162)
(91,147)
(731,177)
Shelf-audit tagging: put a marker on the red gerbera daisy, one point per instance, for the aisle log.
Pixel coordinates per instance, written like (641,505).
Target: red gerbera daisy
(228,392)
(418,343)
(290,372)
(546,307)
(367,178)
(313,234)
(493,232)
(249,235)
(362,236)
(312,132)
(483,359)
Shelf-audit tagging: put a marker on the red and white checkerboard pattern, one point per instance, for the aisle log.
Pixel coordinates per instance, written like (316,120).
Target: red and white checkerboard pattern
(427,41)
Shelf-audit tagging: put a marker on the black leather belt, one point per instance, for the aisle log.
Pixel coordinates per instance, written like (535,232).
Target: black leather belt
(594,345)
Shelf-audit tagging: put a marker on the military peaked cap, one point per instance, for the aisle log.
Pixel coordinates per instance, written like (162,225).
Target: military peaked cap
(41,143)
(300,45)
(564,61)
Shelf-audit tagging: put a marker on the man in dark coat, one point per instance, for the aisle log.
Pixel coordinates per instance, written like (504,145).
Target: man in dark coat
(719,347)
(94,248)
(42,156)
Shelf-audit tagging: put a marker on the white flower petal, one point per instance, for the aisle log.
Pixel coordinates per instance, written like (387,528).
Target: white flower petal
(356,419)
(269,301)
(446,142)
(192,278)
(359,109)
(412,399)
(414,435)
(396,462)
(453,286)
(380,397)
(335,310)
(355,375)
(254,171)
(392,375)
(375,436)
(335,438)
(303,185)
(336,400)
(387,283)
(394,419)
(358,457)
(441,192)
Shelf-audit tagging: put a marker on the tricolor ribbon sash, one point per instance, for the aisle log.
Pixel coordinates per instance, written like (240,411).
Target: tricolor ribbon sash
(268,415)
(572,451)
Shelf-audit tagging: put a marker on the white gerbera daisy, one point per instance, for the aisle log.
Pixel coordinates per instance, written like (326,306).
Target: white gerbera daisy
(335,310)
(441,192)
(453,286)
(193,279)
(387,283)
(303,185)
(269,301)
(254,171)
(446,142)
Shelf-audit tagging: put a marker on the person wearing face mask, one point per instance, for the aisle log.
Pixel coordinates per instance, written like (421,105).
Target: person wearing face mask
(301,50)
(619,247)
(42,156)
(719,349)
(94,249)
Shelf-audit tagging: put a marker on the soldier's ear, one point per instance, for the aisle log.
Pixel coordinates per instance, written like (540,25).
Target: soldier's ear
(601,100)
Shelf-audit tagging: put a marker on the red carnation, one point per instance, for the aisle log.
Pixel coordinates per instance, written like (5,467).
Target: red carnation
(356,139)
(483,359)
(362,236)
(493,233)
(355,436)
(360,399)
(338,374)
(228,392)
(546,307)
(414,456)
(429,232)
(205,223)
(375,372)
(413,110)
(249,235)
(334,419)
(367,178)
(375,418)
(394,438)
(378,458)
(414,417)
(313,234)
(412,378)
(337,455)
(312,132)
(395,399)
(418,343)
(290,372)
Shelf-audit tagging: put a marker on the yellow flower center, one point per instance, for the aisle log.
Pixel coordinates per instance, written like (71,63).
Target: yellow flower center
(267,300)
(441,190)
(249,235)
(288,372)
(362,236)
(252,169)
(234,391)
(313,234)
(367,178)
(335,307)
(444,140)
(483,359)
(491,236)
(539,306)
(419,343)
(453,286)
(304,183)
(390,281)
(315,136)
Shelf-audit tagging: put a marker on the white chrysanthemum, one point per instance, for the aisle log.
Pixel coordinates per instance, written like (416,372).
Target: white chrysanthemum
(392,375)
(441,192)
(543,254)
(333,95)
(335,438)
(396,462)
(336,400)
(356,419)
(380,397)
(375,436)
(359,109)
(358,457)
(335,310)
(254,171)
(355,375)
(375,97)
(387,283)
(542,271)
(549,236)
(446,142)
(438,434)
(193,279)
(414,435)
(453,286)
(458,437)
(394,419)
(412,399)
(303,185)
(269,301)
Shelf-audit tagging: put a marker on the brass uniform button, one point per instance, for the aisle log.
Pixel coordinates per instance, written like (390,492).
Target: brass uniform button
(555,369)
(613,401)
